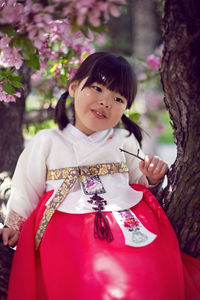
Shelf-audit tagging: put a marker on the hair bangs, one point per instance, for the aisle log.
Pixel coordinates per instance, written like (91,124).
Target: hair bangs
(116,74)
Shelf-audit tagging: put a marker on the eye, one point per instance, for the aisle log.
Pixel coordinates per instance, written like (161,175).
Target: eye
(120,100)
(97,88)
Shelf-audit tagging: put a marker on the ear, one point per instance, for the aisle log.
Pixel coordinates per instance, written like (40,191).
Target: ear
(72,88)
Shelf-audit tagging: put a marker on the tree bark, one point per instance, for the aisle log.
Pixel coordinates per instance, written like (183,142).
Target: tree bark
(38,115)
(11,138)
(11,120)
(6,258)
(145,28)
(180,73)
(11,145)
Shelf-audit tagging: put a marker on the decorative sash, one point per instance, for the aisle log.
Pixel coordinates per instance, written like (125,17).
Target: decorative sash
(70,176)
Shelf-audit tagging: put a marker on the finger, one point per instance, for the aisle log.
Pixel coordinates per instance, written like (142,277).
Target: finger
(13,240)
(147,161)
(164,169)
(5,236)
(158,167)
(153,164)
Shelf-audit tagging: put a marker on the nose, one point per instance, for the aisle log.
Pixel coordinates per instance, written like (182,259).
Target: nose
(105,101)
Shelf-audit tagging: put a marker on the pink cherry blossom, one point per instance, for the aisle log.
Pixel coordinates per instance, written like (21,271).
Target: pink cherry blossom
(9,57)
(38,43)
(114,10)
(6,97)
(36,7)
(153,62)
(10,98)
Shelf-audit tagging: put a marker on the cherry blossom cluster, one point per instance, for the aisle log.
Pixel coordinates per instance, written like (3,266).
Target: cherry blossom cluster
(154,59)
(151,91)
(60,32)
(153,62)
(9,57)
(92,11)
(58,42)
(6,97)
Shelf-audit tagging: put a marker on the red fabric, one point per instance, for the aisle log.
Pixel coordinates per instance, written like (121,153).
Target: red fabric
(71,264)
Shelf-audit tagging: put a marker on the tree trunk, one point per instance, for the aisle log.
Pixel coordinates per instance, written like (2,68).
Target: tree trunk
(11,145)
(5,265)
(180,73)
(11,138)
(145,28)
(11,120)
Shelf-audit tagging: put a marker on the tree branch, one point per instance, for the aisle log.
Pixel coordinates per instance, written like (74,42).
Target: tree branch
(38,115)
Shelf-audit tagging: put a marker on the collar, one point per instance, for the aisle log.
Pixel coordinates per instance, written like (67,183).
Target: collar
(77,136)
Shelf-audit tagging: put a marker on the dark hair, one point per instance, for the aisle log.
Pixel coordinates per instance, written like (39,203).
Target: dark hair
(112,71)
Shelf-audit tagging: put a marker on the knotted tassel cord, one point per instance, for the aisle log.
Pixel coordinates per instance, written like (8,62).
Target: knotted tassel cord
(102,229)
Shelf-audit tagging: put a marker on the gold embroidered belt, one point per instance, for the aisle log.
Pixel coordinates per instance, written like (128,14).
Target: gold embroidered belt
(70,176)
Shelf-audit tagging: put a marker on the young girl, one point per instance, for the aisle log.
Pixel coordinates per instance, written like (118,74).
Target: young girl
(90,227)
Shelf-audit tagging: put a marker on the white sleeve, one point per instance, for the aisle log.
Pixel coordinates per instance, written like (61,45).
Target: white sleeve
(28,182)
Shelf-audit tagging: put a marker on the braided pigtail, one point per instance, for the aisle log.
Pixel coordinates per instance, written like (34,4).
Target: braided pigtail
(132,128)
(60,116)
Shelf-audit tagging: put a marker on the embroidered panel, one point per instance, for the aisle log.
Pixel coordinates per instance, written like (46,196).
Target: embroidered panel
(135,234)
(92,185)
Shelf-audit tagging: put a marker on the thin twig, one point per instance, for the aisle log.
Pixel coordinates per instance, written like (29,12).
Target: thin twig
(132,154)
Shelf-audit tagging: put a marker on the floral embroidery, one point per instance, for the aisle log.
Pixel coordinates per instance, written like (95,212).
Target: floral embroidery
(92,185)
(14,221)
(135,234)
(130,222)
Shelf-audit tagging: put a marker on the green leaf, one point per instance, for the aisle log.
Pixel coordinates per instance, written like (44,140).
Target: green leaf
(1,75)
(8,72)
(33,62)
(25,44)
(7,87)
(99,29)
(134,117)
(16,83)
(8,29)
(15,77)
(5,74)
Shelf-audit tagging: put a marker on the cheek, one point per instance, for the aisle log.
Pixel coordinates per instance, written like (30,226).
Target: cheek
(116,117)
(119,112)
(80,104)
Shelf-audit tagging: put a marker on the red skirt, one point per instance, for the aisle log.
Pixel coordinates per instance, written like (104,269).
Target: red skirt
(72,264)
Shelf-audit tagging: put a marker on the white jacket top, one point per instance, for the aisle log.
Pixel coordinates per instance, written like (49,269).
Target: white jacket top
(54,149)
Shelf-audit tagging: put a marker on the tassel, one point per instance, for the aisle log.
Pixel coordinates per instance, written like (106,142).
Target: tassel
(102,229)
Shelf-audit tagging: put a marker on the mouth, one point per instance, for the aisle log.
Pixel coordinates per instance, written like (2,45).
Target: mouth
(98,114)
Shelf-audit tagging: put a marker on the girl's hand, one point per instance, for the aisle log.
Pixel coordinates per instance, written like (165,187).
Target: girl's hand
(9,236)
(153,168)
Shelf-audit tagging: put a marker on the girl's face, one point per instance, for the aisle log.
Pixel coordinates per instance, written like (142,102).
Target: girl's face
(96,107)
